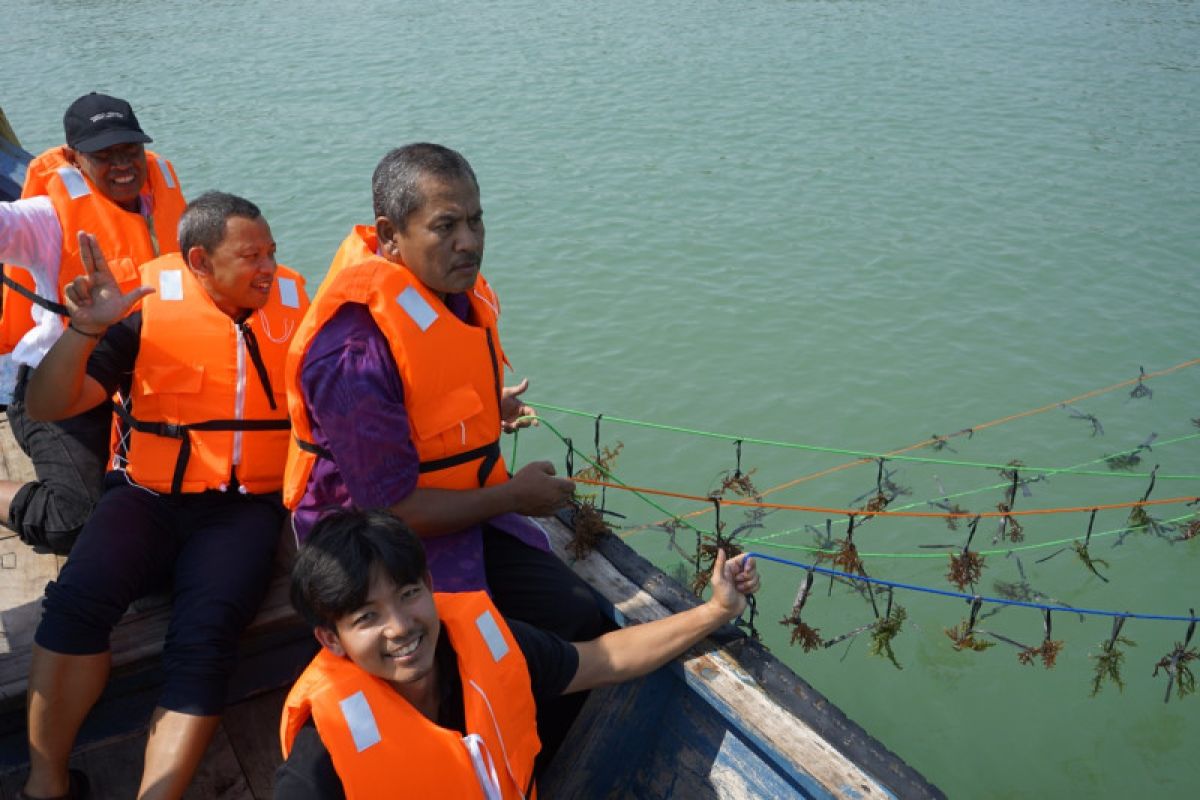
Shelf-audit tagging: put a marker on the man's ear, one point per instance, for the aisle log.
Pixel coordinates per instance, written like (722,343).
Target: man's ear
(428,579)
(387,232)
(71,155)
(197,259)
(329,640)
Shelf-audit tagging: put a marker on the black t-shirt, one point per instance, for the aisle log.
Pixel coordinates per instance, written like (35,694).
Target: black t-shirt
(111,362)
(308,774)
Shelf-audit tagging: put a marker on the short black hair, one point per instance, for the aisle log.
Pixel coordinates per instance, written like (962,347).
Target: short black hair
(203,221)
(396,184)
(332,572)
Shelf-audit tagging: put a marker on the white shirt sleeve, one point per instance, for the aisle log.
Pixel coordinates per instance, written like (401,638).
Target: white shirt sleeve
(31,237)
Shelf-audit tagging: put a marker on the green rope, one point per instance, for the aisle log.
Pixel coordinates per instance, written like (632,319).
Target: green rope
(873,456)
(991,487)
(613,478)
(766,542)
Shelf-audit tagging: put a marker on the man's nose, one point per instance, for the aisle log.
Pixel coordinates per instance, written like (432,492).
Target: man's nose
(469,240)
(397,625)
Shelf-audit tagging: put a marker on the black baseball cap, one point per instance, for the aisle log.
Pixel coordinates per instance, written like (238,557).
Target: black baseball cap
(96,121)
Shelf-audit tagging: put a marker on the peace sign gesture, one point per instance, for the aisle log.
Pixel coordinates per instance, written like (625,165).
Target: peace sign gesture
(94,299)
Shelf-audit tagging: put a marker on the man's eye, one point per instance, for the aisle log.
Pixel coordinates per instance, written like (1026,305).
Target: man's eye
(364,618)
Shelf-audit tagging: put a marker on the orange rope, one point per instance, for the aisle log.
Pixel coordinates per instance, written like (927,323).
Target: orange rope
(862,512)
(929,441)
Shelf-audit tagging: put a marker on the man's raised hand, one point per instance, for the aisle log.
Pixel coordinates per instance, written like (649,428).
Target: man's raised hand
(732,580)
(94,299)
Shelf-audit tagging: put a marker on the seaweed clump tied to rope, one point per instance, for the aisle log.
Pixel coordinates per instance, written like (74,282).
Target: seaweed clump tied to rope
(1175,664)
(842,560)
(589,524)
(1108,660)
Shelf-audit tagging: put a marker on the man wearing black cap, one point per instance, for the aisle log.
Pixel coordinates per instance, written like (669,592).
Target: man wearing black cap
(105,182)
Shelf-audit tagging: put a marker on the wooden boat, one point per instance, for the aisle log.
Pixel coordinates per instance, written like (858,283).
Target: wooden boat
(13,159)
(725,720)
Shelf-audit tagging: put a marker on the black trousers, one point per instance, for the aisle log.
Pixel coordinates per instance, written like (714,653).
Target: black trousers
(69,459)
(536,587)
(214,549)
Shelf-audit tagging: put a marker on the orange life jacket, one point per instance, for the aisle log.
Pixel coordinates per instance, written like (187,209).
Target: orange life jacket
(383,747)
(127,238)
(207,393)
(452,371)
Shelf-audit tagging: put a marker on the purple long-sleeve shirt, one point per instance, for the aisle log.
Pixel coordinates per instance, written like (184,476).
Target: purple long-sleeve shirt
(355,398)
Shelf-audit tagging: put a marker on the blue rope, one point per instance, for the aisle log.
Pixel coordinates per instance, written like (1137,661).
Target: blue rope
(961,596)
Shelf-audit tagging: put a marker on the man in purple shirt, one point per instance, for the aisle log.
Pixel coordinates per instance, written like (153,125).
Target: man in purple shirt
(357,386)
(417,285)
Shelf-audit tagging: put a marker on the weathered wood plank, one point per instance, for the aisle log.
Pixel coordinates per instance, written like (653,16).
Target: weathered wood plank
(23,577)
(137,638)
(14,464)
(253,730)
(114,767)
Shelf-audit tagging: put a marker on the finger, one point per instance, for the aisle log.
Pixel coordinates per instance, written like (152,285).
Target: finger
(134,296)
(88,247)
(719,564)
(519,389)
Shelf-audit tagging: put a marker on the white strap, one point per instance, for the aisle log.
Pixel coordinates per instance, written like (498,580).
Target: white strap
(485,767)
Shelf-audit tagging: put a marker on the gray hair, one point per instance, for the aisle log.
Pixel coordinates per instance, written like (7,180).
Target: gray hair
(396,184)
(203,221)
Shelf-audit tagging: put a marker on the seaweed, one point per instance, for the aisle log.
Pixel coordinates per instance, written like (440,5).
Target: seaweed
(1123,462)
(599,470)
(590,528)
(1081,550)
(1139,519)
(808,636)
(846,558)
(1048,652)
(966,567)
(963,634)
(1097,428)
(1049,648)
(1190,531)
(939,443)
(1109,659)
(1141,390)
(589,523)
(945,505)
(1175,664)
(966,640)
(885,630)
(1009,527)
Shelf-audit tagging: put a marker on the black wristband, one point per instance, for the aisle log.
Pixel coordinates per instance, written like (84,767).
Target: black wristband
(96,336)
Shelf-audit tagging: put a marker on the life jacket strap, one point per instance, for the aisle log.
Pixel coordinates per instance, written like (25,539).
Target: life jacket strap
(33,297)
(180,431)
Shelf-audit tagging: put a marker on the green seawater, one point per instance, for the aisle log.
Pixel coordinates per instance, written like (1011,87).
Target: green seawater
(844,225)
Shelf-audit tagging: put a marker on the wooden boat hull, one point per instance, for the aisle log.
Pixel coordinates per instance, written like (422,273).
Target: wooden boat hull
(726,720)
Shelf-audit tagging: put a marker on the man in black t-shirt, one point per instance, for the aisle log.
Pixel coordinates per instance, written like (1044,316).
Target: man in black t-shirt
(423,695)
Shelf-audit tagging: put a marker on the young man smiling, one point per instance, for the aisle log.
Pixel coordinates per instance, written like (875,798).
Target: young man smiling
(417,694)
(197,500)
(105,182)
